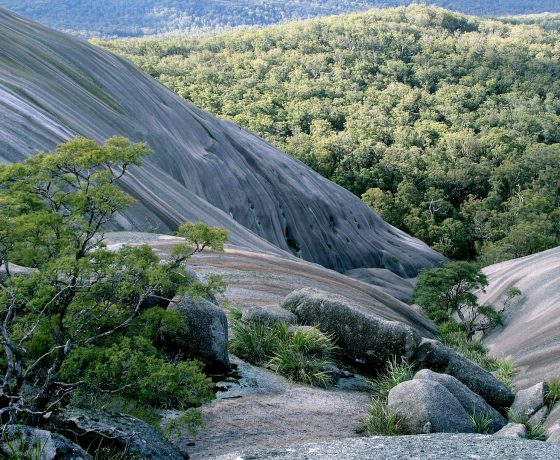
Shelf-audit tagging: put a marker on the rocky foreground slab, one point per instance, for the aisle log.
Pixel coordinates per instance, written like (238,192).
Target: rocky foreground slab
(424,447)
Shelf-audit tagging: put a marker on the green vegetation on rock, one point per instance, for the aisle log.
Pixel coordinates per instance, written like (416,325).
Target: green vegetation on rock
(300,353)
(447,125)
(84,325)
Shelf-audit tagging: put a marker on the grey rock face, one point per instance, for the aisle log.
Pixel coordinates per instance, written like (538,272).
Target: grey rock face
(207,336)
(115,431)
(471,402)
(425,406)
(554,434)
(432,354)
(529,401)
(513,430)
(52,445)
(269,315)
(386,280)
(203,168)
(539,417)
(361,335)
(442,446)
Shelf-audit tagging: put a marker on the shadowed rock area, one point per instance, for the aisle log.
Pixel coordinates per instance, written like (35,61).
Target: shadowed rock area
(54,87)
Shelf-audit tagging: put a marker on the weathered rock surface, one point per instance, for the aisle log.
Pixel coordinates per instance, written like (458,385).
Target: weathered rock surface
(425,406)
(513,430)
(261,408)
(471,402)
(386,280)
(93,430)
(264,278)
(52,446)
(207,337)
(54,87)
(531,332)
(433,355)
(269,315)
(362,335)
(554,434)
(426,447)
(529,401)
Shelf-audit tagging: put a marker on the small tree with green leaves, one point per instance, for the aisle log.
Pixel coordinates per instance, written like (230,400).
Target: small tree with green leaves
(449,291)
(74,320)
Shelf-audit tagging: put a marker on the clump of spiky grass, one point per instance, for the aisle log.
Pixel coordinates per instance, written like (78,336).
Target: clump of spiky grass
(482,423)
(396,371)
(301,354)
(380,421)
(553,395)
(537,431)
(505,372)
(254,342)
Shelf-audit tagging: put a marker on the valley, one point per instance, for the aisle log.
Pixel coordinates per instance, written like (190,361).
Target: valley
(333,238)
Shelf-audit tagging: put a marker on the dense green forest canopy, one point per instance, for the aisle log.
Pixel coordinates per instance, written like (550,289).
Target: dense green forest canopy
(128,18)
(449,126)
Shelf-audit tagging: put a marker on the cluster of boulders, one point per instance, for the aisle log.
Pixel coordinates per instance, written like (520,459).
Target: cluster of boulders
(449,392)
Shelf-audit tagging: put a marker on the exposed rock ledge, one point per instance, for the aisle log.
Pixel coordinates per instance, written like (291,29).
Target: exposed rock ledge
(425,447)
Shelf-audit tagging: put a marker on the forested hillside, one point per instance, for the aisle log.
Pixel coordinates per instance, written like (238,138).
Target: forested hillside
(447,125)
(142,17)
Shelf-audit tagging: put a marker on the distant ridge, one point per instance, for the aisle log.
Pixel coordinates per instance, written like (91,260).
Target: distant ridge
(123,18)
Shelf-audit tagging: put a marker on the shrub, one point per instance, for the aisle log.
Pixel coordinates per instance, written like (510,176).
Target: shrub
(380,421)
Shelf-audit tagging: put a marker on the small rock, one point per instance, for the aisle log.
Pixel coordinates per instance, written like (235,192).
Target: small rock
(115,431)
(513,430)
(424,406)
(361,335)
(207,337)
(270,315)
(539,417)
(529,401)
(52,445)
(471,402)
(554,434)
(432,354)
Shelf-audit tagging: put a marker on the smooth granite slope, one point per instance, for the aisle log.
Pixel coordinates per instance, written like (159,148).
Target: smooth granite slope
(53,87)
(531,335)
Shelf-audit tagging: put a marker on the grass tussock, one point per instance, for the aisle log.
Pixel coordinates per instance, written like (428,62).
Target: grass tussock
(482,423)
(301,354)
(553,395)
(380,421)
(397,371)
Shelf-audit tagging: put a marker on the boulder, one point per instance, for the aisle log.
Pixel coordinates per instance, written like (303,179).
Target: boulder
(424,406)
(471,402)
(554,434)
(513,430)
(432,354)
(361,335)
(19,441)
(116,432)
(539,417)
(207,337)
(529,401)
(269,315)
